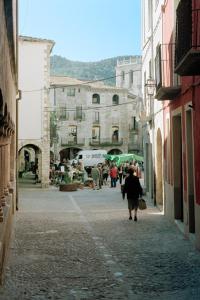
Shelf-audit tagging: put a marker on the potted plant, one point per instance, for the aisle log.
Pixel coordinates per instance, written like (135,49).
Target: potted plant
(67,185)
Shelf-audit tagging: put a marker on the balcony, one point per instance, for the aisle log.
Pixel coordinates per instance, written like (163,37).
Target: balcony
(167,82)
(66,142)
(133,128)
(187,51)
(96,122)
(106,142)
(133,147)
(63,114)
(79,116)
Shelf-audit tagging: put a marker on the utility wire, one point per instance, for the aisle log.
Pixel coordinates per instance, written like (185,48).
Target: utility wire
(80,84)
(87,108)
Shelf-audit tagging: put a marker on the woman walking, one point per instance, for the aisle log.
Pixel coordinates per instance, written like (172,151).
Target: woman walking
(133,190)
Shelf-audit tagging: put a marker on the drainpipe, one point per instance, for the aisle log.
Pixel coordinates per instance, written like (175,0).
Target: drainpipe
(152,110)
(18,97)
(17,124)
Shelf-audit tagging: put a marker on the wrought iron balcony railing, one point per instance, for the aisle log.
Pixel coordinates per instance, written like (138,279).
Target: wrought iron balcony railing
(187,51)
(167,82)
(106,142)
(72,142)
(134,147)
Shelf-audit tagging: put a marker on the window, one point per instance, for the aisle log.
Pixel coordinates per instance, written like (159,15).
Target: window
(96,118)
(79,113)
(150,69)
(96,99)
(115,100)
(158,73)
(71,92)
(62,115)
(150,14)
(131,77)
(145,90)
(135,123)
(123,75)
(72,133)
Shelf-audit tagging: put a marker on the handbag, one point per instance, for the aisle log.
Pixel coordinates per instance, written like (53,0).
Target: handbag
(142,204)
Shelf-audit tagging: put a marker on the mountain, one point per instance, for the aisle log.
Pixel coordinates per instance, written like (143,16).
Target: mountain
(105,68)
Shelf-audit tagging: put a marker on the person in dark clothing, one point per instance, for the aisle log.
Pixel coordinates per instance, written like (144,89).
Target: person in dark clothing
(133,190)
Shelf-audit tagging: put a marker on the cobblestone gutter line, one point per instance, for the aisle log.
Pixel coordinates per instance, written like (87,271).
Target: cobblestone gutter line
(111,261)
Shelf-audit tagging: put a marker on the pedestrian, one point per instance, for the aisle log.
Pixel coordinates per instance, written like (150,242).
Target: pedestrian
(120,172)
(95,176)
(105,172)
(100,176)
(133,190)
(113,175)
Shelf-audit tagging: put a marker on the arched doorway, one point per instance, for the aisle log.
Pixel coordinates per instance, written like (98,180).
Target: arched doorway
(29,165)
(68,153)
(115,151)
(159,170)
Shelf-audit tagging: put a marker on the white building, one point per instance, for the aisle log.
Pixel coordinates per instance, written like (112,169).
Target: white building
(152,114)
(89,116)
(34,77)
(129,76)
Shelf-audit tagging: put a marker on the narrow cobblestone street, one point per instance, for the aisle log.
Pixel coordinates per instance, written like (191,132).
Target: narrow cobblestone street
(81,245)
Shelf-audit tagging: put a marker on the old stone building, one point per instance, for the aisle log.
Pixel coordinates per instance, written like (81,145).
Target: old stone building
(88,116)
(34,79)
(8,92)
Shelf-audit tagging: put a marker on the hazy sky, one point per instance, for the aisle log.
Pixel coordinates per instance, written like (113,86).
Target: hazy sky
(86,30)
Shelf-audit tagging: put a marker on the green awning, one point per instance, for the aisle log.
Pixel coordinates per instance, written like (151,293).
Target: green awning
(122,158)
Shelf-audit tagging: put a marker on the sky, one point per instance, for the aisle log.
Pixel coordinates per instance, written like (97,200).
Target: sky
(84,30)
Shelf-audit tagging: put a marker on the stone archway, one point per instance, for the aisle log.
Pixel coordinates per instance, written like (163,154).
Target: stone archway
(159,169)
(115,151)
(30,163)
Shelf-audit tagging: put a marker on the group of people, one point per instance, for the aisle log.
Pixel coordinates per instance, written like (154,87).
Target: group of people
(129,173)
(101,172)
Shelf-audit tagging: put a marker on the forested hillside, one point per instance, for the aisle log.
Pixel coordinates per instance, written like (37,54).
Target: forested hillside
(85,70)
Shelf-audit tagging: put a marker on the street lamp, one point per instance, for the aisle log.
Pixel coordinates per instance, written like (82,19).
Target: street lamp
(150,86)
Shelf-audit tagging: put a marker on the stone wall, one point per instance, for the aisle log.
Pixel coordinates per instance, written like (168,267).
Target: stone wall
(8,91)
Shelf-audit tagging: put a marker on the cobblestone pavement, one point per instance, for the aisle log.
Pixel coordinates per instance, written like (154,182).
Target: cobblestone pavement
(81,245)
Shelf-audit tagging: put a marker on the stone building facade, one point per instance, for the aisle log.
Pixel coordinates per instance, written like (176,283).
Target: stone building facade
(88,116)
(8,92)
(34,82)
(129,76)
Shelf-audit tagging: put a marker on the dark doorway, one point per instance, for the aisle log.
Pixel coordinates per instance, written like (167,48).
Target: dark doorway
(177,168)
(190,169)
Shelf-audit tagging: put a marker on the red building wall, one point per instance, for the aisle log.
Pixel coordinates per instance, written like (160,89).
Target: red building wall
(190,91)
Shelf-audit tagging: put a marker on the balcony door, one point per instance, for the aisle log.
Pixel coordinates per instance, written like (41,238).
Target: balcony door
(177,167)
(115,134)
(96,134)
(73,134)
(190,171)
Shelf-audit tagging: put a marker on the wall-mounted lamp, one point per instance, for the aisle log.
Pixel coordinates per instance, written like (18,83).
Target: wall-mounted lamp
(150,86)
